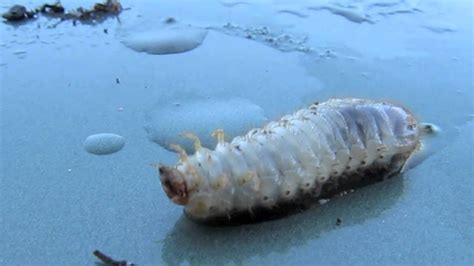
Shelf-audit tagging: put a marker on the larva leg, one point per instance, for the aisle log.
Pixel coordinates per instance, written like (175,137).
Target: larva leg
(182,153)
(194,138)
(219,135)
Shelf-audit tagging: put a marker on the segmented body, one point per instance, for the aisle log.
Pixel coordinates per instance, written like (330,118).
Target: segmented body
(292,158)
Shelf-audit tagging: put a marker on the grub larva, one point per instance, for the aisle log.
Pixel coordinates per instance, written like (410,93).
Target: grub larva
(337,143)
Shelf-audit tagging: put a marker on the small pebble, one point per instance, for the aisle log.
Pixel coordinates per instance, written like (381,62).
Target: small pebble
(104,143)
(338,221)
(323,201)
(343,193)
(170,20)
(429,129)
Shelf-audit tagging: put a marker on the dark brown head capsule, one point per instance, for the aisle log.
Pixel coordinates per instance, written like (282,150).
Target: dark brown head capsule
(174,184)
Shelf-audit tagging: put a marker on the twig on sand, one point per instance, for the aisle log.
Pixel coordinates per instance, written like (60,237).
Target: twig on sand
(108,261)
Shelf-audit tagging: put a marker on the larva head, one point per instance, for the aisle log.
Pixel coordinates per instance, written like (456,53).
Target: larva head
(174,184)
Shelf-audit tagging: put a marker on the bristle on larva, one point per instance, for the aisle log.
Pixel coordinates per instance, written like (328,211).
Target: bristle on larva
(302,156)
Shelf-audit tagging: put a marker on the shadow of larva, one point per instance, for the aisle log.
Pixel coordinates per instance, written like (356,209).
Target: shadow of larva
(199,244)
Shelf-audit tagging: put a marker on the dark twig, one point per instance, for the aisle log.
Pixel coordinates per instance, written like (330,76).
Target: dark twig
(108,261)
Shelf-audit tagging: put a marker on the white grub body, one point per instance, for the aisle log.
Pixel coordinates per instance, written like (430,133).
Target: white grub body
(293,158)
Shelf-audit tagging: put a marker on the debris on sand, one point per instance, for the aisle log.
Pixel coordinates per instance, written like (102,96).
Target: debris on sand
(18,13)
(55,8)
(108,261)
(98,13)
(110,6)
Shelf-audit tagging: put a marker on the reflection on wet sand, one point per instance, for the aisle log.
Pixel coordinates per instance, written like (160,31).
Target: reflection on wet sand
(199,244)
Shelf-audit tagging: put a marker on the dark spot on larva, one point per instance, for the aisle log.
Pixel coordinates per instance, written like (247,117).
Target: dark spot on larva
(254,132)
(412,126)
(381,156)
(237,147)
(348,167)
(335,172)
(199,164)
(287,192)
(307,184)
(350,157)
(161,171)
(338,221)
(265,198)
(379,149)
(313,113)
(363,162)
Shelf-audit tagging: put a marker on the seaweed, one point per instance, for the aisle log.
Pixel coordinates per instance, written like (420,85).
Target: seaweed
(98,13)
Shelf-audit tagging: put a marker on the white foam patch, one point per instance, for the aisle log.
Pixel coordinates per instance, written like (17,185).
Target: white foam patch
(235,116)
(167,40)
